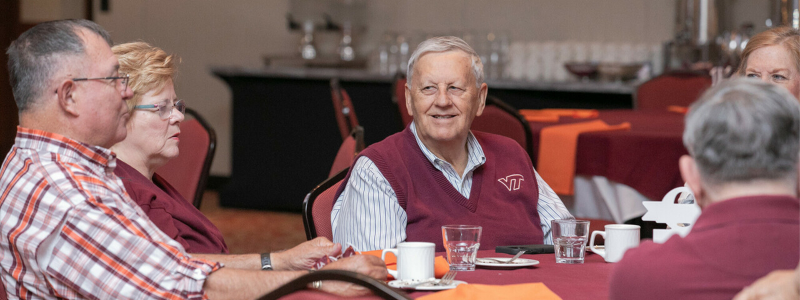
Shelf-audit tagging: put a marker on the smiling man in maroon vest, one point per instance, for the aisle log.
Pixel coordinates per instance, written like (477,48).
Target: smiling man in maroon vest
(436,172)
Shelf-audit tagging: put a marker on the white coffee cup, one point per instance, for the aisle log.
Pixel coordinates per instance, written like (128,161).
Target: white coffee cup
(414,260)
(619,238)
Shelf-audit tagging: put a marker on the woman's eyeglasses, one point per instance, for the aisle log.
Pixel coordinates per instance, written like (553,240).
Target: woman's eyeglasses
(164,109)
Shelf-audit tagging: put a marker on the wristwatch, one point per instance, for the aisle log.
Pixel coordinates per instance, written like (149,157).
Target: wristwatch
(316,284)
(266,262)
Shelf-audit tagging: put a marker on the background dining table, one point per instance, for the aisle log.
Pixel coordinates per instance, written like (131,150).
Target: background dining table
(644,158)
(569,281)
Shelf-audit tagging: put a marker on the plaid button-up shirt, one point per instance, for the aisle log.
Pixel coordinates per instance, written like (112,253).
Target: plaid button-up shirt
(68,229)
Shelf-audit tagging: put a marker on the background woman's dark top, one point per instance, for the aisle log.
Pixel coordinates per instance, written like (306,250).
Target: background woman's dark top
(171,212)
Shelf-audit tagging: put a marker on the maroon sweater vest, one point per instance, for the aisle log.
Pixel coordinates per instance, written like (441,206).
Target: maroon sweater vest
(503,199)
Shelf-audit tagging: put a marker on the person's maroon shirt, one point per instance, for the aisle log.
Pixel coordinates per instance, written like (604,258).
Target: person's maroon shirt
(175,216)
(732,244)
(503,199)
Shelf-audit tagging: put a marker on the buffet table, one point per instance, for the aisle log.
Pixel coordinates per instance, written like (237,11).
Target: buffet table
(284,134)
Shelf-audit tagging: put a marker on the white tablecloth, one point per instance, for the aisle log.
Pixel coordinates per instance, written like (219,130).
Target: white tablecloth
(597,197)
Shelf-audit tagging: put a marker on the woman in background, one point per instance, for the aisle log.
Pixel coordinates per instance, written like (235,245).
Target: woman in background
(152,140)
(774,56)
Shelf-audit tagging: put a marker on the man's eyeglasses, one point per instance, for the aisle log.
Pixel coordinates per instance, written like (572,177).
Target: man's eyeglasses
(164,109)
(122,80)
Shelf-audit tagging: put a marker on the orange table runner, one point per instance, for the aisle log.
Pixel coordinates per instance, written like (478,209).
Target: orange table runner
(552,114)
(496,292)
(557,148)
(678,109)
(440,265)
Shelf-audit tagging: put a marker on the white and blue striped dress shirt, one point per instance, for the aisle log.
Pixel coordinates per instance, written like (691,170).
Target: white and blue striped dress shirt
(367,215)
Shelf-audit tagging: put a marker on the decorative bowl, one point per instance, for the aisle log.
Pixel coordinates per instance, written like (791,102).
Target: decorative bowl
(584,70)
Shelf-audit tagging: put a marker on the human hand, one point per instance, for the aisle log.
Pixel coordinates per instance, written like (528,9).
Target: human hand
(303,256)
(778,285)
(364,264)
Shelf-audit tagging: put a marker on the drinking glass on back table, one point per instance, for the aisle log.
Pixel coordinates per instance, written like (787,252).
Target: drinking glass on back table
(461,243)
(569,239)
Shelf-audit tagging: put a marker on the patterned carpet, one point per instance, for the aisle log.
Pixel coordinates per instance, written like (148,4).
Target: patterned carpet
(252,231)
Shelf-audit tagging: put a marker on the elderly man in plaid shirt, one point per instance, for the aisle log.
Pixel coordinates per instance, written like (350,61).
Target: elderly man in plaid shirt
(68,229)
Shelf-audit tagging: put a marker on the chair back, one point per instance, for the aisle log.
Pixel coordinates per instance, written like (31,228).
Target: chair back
(377,287)
(188,172)
(343,109)
(502,119)
(679,88)
(350,148)
(399,97)
(318,205)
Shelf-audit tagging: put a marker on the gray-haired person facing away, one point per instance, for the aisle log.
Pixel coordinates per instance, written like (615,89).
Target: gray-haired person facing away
(743,138)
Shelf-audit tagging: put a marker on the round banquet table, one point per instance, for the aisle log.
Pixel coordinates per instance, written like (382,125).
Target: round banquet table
(579,281)
(644,158)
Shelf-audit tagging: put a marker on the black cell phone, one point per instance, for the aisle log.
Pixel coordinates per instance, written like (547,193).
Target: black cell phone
(529,249)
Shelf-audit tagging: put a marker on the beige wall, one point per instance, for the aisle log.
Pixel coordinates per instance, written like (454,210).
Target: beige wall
(239,32)
(35,11)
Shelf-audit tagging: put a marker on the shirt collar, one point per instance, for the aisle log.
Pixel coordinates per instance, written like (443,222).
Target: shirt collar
(476,158)
(750,209)
(39,140)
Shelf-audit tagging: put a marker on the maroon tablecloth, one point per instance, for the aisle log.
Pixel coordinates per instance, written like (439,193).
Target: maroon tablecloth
(581,281)
(644,158)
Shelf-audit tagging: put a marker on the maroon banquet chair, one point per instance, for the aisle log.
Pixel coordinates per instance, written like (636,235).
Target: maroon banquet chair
(597,225)
(679,88)
(188,172)
(343,108)
(399,97)
(350,148)
(502,119)
(318,204)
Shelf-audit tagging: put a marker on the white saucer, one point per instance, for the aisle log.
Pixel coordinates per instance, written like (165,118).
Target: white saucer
(403,284)
(518,263)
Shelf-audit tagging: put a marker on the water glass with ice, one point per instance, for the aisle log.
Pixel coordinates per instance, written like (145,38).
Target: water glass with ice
(461,243)
(569,238)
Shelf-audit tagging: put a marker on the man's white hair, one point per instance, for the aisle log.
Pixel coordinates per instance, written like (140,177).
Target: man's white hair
(445,44)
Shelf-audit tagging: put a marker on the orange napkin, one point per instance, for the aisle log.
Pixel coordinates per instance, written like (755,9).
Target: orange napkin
(537,291)
(552,114)
(558,145)
(678,109)
(440,265)
(538,116)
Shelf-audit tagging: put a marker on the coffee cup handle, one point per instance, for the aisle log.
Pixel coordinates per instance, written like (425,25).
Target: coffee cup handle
(383,257)
(592,246)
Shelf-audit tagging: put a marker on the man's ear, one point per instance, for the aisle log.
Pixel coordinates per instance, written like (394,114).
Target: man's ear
(67,97)
(409,106)
(482,93)
(691,175)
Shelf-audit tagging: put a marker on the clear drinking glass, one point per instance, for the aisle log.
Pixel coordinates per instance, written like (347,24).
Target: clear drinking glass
(569,238)
(461,243)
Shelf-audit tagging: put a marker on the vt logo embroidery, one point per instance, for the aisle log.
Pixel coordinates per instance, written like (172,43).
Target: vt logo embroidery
(512,182)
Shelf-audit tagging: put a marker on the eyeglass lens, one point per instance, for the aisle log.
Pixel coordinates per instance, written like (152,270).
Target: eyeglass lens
(165,111)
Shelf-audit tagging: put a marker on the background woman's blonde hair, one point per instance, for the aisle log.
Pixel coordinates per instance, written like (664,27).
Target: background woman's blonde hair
(785,36)
(149,68)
